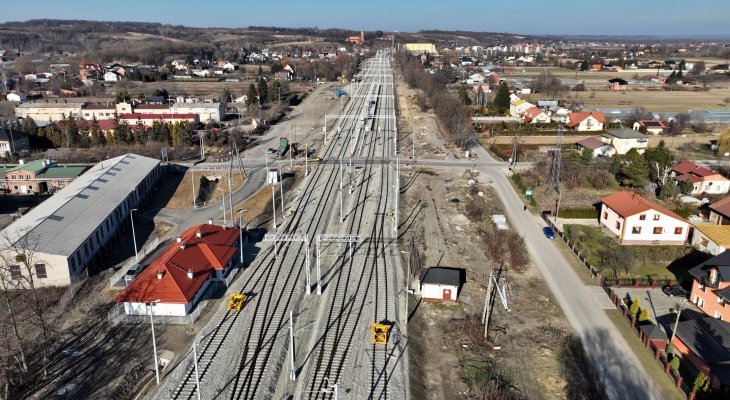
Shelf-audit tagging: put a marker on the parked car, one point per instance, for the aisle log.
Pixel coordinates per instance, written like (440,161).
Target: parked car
(549,232)
(675,291)
(270,150)
(132,272)
(315,159)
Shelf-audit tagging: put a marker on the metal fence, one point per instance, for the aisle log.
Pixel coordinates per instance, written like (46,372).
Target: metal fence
(119,274)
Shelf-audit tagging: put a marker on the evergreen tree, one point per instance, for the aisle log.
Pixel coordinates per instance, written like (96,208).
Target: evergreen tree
(260,71)
(251,95)
(501,99)
(263,91)
(185,132)
(633,169)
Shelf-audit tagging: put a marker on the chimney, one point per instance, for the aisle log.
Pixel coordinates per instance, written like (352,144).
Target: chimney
(198,233)
(190,274)
(182,245)
(22,162)
(179,239)
(159,274)
(210,222)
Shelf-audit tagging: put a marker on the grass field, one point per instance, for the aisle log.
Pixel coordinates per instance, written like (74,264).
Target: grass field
(659,261)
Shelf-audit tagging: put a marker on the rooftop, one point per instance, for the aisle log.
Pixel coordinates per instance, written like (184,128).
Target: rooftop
(167,279)
(721,262)
(688,170)
(721,206)
(63,222)
(591,143)
(54,104)
(443,276)
(579,116)
(158,116)
(707,337)
(196,105)
(719,234)
(627,204)
(625,133)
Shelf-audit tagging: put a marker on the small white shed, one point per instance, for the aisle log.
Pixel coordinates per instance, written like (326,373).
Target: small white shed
(441,284)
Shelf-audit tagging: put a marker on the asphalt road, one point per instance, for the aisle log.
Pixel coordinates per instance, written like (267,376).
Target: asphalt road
(616,364)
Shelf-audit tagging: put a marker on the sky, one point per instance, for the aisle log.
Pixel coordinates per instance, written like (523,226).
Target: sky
(569,17)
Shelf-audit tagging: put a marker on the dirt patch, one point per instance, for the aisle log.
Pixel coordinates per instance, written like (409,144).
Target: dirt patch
(182,199)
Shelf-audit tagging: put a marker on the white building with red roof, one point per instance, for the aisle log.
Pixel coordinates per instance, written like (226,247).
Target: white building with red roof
(586,121)
(704,180)
(178,279)
(636,220)
(149,119)
(535,115)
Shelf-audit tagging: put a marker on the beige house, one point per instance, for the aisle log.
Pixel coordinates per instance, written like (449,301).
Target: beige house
(624,140)
(46,111)
(710,238)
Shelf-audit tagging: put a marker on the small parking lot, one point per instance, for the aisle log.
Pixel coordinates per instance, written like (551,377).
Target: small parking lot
(659,304)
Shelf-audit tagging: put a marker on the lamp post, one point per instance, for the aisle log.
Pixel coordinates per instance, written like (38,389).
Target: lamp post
(134,237)
(223,201)
(154,342)
(408,281)
(676,322)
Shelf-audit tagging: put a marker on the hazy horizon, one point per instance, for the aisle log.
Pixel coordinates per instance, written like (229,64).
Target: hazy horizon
(654,18)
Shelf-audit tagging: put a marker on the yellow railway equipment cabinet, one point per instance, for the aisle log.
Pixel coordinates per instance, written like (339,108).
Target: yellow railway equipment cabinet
(380,333)
(236,302)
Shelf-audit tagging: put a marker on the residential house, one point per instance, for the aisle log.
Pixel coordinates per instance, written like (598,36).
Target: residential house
(13,142)
(98,111)
(617,84)
(704,180)
(596,147)
(518,107)
(720,212)
(534,115)
(711,238)
(149,119)
(207,111)
(179,278)
(585,121)
(441,284)
(282,75)
(624,140)
(112,76)
(475,79)
(650,127)
(39,176)
(637,221)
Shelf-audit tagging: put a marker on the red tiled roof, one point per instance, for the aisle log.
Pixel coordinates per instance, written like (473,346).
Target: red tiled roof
(688,168)
(201,255)
(157,116)
(627,204)
(532,112)
(103,124)
(152,107)
(721,206)
(578,117)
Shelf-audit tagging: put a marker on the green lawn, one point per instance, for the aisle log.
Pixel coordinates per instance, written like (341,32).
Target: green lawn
(652,368)
(658,261)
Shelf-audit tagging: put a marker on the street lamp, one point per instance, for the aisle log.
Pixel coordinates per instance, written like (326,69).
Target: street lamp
(676,322)
(134,237)
(223,200)
(154,343)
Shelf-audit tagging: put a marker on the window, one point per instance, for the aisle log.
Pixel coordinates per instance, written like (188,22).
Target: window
(605,215)
(704,242)
(15,273)
(718,315)
(677,231)
(636,230)
(656,217)
(40,271)
(642,217)
(12,176)
(700,302)
(658,230)
(720,300)
(618,225)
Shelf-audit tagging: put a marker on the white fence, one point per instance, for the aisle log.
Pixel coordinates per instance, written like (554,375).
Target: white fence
(119,275)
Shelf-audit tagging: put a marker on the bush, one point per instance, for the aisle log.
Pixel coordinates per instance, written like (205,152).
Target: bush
(644,315)
(674,363)
(635,307)
(578,213)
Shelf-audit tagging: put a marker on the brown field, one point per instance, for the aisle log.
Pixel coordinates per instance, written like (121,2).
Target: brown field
(657,100)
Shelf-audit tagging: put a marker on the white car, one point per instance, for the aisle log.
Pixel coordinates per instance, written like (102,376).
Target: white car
(132,272)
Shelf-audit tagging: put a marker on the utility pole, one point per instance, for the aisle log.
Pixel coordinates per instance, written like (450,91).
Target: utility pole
(192,181)
(273,205)
(306,159)
(676,322)
(292,374)
(281,188)
(342,215)
(397,190)
(230,196)
(488,304)
(197,376)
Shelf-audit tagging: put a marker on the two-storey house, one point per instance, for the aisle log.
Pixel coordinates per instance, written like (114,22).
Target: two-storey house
(704,180)
(624,140)
(586,121)
(637,221)
(720,212)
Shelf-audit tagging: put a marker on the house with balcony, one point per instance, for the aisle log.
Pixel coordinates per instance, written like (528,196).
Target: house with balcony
(637,221)
(704,180)
(624,140)
(586,121)
(174,283)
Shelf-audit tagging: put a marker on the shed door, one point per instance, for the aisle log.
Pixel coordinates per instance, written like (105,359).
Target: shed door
(446,294)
